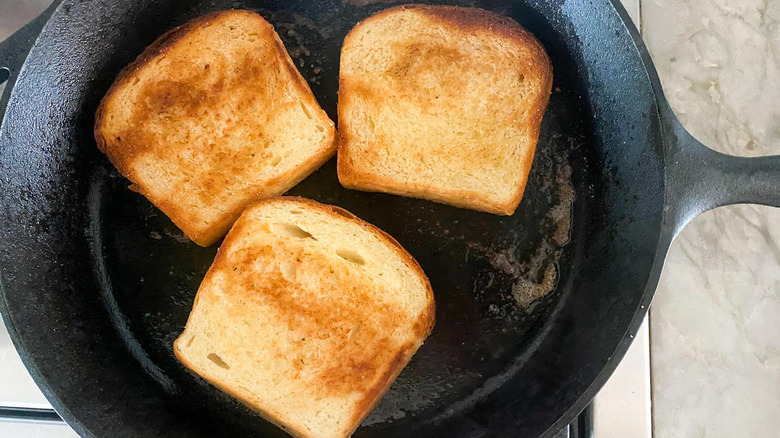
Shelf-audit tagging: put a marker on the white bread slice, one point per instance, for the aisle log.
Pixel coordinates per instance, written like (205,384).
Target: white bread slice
(307,315)
(211,117)
(442,103)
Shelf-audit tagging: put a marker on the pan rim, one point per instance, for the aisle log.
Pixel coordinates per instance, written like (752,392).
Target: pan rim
(664,239)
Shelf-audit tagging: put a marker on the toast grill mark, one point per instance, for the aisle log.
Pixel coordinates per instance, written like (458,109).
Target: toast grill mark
(333,327)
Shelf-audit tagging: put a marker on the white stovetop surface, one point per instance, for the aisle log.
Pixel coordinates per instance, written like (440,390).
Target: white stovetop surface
(710,360)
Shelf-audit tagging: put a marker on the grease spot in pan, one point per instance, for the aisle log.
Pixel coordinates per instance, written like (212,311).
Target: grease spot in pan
(536,276)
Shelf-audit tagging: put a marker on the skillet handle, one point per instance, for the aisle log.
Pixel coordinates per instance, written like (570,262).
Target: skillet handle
(699,179)
(14,49)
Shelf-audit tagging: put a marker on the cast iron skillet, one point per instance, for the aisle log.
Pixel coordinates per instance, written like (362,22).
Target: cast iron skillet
(97,283)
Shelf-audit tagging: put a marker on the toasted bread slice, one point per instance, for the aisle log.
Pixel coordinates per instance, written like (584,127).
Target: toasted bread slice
(211,117)
(307,315)
(443,103)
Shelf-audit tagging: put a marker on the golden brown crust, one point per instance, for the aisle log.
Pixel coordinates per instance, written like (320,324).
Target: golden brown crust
(465,19)
(123,147)
(158,47)
(351,179)
(341,379)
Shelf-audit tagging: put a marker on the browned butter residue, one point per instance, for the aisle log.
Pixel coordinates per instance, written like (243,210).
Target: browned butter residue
(537,276)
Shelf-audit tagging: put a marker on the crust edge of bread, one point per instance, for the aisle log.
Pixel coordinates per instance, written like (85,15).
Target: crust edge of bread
(161,45)
(463,18)
(422,327)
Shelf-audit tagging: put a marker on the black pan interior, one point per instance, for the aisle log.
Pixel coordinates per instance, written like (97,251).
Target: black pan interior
(113,273)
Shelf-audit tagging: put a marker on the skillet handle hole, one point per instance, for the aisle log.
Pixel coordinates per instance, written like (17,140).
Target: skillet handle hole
(5,74)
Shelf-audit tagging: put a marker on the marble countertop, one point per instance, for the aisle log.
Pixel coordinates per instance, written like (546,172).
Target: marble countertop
(707,363)
(714,325)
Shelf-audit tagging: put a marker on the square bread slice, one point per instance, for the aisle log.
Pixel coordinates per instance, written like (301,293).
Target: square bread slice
(211,117)
(307,315)
(443,103)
